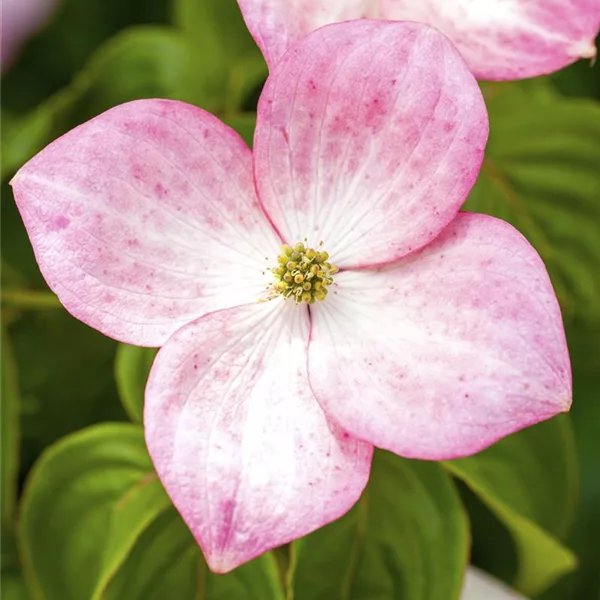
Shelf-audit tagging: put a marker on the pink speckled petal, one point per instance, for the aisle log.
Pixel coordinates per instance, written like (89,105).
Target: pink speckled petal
(238,439)
(509,39)
(278,24)
(448,350)
(373,158)
(479,585)
(499,39)
(145,218)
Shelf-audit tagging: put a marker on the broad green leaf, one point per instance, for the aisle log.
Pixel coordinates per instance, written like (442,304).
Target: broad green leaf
(96,523)
(87,500)
(541,172)
(584,346)
(584,342)
(141,62)
(132,366)
(10,434)
(528,480)
(13,587)
(407,538)
(166,563)
(65,376)
(12,581)
(229,64)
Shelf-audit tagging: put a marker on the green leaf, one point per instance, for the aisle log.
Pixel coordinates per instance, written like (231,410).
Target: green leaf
(407,538)
(166,563)
(10,434)
(541,174)
(229,64)
(12,581)
(86,502)
(141,62)
(96,523)
(528,480)
(132,366)
(65,377)
(584,346)
(13,587)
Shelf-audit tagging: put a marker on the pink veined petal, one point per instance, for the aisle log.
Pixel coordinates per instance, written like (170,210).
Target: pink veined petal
(278,24)
(499,39)
(238,439)
(145,218)
(20,20)
(509,39)
(448,350)
(479,585)
(372,157)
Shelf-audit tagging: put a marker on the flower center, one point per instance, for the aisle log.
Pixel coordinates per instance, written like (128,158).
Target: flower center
(302,274)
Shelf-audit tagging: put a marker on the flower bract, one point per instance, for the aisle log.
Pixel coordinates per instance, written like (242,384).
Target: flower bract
(408,325)
(499,39)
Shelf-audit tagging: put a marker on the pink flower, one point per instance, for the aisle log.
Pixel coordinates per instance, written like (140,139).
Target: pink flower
(499,39)
(481,586)
(20,20)
(440,333)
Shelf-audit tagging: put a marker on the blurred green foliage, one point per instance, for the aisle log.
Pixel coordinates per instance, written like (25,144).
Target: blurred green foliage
(406,538)
(529,482)
(93,520)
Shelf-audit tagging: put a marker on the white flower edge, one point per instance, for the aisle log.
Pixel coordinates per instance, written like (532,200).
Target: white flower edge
(479,585)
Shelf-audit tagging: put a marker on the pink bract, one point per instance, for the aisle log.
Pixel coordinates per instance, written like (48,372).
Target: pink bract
(499,39)
(156,225)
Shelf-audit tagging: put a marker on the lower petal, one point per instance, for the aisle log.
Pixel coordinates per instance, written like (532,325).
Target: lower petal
(238,439)
(446,351)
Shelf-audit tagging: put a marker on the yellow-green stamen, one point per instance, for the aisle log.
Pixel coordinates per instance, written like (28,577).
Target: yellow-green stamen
(303,274)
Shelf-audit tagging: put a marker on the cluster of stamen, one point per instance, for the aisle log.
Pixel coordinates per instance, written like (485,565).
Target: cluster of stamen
(303,274)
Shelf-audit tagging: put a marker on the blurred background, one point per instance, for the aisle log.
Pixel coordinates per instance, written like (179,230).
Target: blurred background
(65,61)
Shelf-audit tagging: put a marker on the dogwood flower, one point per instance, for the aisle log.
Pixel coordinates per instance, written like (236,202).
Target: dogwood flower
(20,20)
(499,39)
(314,298)
(479,585)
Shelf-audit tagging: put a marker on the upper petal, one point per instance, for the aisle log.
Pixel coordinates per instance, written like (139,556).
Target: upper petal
(373,158)
(499,39)
(479,585)
(278,24)
(509,39)
(445,352)
(238,439)
(145,218)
